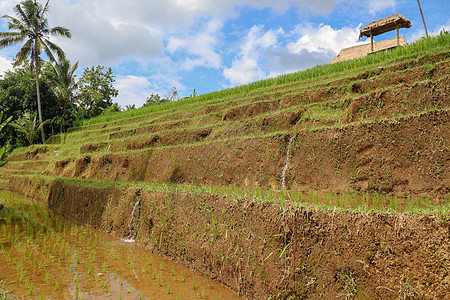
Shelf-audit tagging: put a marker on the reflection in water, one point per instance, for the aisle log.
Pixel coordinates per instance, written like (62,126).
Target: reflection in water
(45,256)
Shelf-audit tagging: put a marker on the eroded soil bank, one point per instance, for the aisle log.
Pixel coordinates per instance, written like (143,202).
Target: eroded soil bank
(46,256)
(266,249)
(408,156)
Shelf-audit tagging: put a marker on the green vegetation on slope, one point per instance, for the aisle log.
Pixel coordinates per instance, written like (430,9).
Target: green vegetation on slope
(418,49)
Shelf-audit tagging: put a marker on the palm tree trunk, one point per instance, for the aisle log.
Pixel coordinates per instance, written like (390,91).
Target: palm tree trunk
(63,117)
(39,104)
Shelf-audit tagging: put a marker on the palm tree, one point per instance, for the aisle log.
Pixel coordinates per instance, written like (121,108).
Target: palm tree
(64,84)
(29,127)
(31,27)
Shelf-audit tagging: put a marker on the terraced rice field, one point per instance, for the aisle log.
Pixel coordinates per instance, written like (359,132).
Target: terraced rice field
(334,177)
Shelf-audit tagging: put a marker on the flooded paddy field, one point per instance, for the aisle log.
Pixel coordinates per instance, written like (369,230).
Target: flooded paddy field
(45,256)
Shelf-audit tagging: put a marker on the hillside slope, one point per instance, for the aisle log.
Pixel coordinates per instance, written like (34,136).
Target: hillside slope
(222,180)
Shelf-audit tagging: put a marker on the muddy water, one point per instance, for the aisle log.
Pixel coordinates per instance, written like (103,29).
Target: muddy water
(45,256)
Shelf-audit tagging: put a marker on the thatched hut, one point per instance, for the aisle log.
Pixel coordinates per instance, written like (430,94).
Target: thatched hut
(372,29)
(384,25)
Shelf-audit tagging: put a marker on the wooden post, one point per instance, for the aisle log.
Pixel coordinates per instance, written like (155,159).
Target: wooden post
(398,37)
(371,41)
(423,19)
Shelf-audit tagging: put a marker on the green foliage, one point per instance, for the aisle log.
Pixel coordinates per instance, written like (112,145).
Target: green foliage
(154,99)
(112,109)
(3,150)
(30,26)
(29,126)
(64,85)
(5,122)
(18,95)
(130,107)
(171,96)
(96,92)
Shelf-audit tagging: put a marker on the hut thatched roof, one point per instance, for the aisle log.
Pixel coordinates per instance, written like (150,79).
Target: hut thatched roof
(365,49)
(385,25)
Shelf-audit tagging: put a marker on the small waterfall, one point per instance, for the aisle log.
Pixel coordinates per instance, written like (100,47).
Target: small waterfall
(135,215)
(286,166)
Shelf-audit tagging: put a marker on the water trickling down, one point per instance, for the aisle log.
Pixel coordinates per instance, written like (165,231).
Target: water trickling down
(286,166)
(45,256)
(135,215)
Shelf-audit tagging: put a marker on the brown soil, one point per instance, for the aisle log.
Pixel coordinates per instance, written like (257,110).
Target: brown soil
(265,249)
(408,156)
(343,134)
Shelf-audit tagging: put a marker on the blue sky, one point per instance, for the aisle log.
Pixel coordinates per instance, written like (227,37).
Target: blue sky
(208,45)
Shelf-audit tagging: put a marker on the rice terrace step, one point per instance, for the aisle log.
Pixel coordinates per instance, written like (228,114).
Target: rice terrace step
(330,181)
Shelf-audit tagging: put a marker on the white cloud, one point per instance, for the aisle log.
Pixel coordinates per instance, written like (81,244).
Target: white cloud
(379,5)
(246,68)
(201,47)
(324,39)
(439,28)
(101,38)
(5,65)
(7,6)
(243,71)
(271,53)
(132,90)
(107,32)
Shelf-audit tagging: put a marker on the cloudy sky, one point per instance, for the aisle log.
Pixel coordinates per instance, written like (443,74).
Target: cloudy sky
(208,45)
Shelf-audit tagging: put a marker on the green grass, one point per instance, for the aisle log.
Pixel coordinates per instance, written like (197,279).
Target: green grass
(419,48)
(369,202)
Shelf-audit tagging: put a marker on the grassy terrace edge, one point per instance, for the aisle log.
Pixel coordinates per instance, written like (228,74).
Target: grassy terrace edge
(420,48)
(365,202)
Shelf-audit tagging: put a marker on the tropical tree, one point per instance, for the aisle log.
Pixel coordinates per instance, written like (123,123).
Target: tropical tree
(154,99)
(64,85)
(31,26)
(18,95)
(29,126)
(95,91)
(4,150)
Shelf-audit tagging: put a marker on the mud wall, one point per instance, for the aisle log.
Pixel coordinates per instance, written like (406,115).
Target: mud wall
(275,250)
(408,156)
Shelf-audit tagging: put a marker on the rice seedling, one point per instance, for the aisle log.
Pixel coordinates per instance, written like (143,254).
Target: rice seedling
(22,275)
(76,290)
(30,289)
